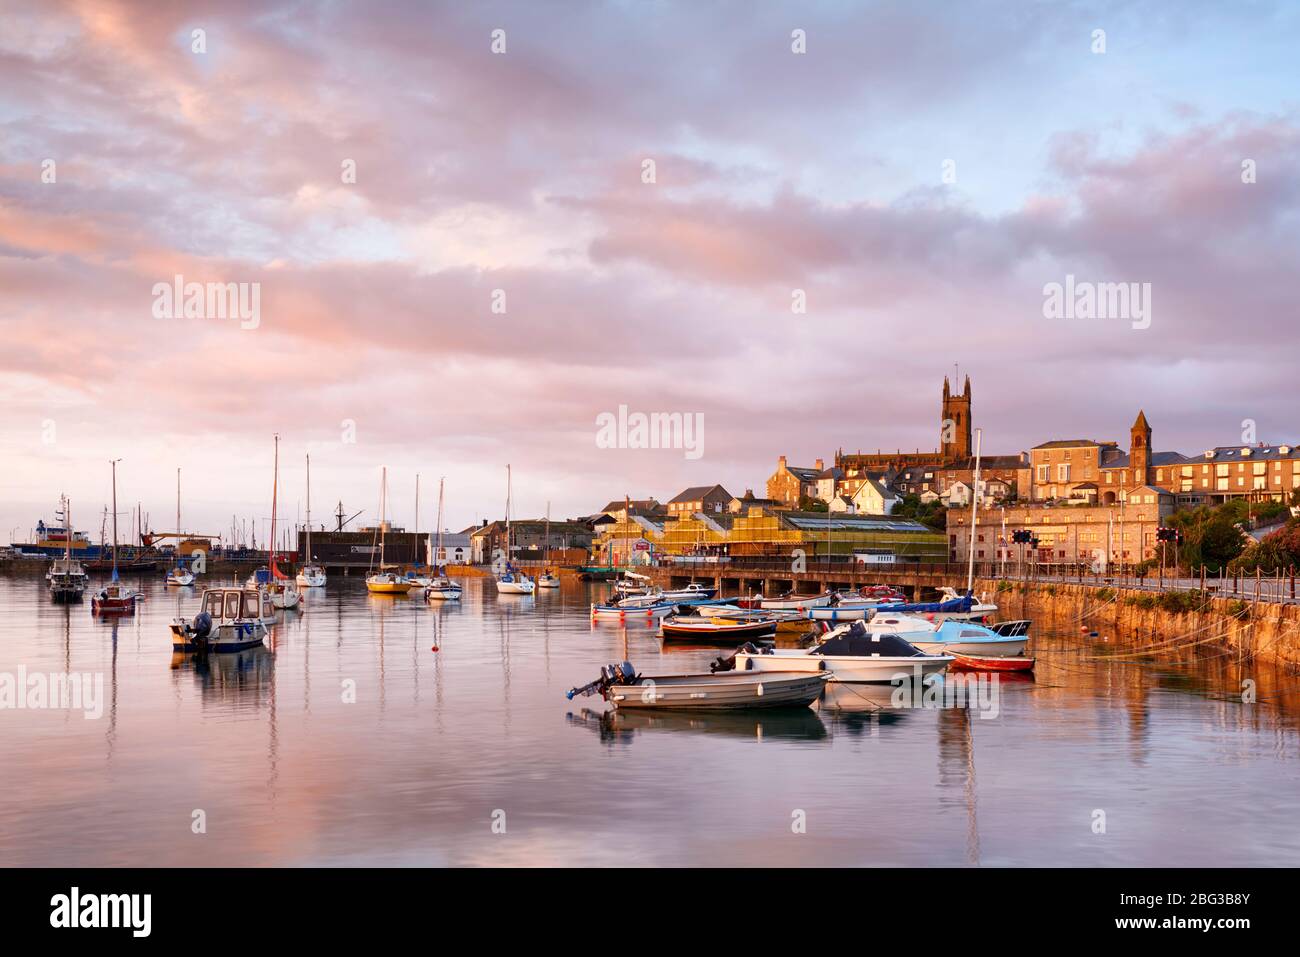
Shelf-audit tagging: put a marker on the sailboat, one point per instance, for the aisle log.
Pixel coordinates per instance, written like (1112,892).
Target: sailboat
(114,598)
(418,577)
(384,582)
(546,579)
(441,588)
(179,574)
(310,575)
(279,586)
(512,581)
(66,576)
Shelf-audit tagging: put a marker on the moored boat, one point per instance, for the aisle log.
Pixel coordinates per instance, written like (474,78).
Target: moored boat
(114,598)
(67,579)
(385,581)
(693,590)
(991,663)
(512,581)
(700,629)
(229,619)
(787,602)
(440,588)
(310,575)
(622,687)
(968,638)
(850,653)
(547,580)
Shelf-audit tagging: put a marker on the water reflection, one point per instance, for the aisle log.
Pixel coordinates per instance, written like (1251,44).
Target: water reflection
(793,724)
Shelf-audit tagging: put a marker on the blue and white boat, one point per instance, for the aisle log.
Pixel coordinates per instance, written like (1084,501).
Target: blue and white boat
(230,619)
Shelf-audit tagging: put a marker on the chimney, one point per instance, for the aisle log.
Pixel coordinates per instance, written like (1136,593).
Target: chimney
(781,462)
(820,465)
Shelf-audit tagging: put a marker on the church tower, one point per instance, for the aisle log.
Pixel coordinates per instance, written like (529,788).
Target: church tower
(1139,456)
(955,427)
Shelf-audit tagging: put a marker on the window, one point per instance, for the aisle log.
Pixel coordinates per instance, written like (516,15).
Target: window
(1063,471)
(1042,473)
(232,604)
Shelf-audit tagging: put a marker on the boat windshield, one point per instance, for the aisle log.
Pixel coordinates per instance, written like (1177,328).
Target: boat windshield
(251,604)
(212,603)
(232,605)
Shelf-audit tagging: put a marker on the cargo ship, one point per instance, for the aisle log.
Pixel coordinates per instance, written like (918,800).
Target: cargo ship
(52,542)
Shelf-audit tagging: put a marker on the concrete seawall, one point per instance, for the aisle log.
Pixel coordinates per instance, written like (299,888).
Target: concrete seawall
(1268,632)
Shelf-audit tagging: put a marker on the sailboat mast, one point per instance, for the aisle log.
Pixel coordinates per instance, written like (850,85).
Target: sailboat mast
(974,504)
(114,464)
(309,508)
(178,508)
(383,511)
(275,498)
(509,543)
(438,555)
(67,520)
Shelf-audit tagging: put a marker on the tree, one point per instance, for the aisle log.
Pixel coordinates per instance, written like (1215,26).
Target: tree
(933,514)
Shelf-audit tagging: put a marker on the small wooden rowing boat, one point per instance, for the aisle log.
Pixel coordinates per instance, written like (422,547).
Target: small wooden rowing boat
(990,663)
(726,630)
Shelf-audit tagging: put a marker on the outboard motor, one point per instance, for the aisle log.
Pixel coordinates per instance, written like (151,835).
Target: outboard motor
(202,626)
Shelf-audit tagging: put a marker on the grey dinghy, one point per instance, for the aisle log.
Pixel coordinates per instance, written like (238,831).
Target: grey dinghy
(622,687)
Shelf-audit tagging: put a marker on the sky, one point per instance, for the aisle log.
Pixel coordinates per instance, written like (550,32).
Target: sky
(461,260)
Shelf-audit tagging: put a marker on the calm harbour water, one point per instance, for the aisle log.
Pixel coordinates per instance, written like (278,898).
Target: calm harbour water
(412,773)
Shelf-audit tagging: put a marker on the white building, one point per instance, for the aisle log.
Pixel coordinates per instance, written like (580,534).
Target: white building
(874,498)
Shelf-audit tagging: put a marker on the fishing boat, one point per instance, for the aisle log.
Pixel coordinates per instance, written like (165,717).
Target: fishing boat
(992,663)
(441,588)
(114,598)
(705,630)
(850,653)
(512,581)
(622,687)
(66,578)
(280,587)
(230,619)
(384,580)
(310,575)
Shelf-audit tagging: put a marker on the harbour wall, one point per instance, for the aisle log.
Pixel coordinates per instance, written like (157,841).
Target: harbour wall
(1158,622)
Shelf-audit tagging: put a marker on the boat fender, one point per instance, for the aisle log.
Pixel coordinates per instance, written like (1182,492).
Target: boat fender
(202,624)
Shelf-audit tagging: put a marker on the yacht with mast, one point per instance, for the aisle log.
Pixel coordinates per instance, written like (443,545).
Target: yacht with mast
(66,577)
(512,581)
(546,579)
(419,576)
(441,588)
(310,575)
(277,585)
(179,574)
(384,581)
(114,598)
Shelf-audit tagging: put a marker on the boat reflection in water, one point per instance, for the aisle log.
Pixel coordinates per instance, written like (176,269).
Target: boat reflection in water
(621,726)
(242,677)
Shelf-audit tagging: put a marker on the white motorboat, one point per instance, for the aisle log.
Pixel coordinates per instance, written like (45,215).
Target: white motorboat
(632,583)
(970,638)
(634,602)
(547,580)
(979,611)
(230,619)
(692,591)
(851,653)
(180,575)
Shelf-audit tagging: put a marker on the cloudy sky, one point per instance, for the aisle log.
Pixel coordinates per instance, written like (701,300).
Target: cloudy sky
(920,172)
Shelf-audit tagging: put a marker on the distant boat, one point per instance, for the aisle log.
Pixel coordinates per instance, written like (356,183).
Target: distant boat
(114,598)
(441,588)
(787,602)
(693,590)
(67,579)
(385,581)
(546,579)
(512,581)
(310,575)
(179,575)
(278,585)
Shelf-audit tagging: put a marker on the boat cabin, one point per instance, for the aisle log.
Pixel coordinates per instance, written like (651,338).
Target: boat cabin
(237,604)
